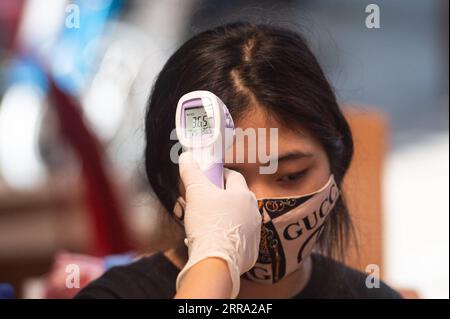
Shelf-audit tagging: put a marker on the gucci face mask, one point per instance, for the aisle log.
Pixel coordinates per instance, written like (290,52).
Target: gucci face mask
(291,226)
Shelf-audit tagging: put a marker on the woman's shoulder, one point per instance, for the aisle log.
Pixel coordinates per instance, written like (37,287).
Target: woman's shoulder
(332,279)
(153,276)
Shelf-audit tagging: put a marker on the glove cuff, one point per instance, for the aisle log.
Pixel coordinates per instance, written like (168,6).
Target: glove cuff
(197,254)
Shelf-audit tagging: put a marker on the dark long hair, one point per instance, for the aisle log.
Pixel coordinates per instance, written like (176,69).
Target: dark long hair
(245,63)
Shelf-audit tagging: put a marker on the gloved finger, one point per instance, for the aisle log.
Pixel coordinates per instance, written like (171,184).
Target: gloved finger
(190,171)
(234,180)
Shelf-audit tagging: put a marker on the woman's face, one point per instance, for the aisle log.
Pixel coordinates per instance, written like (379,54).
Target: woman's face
(303,166)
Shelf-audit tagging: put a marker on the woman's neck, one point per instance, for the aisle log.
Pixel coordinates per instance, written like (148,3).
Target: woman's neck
(287,287)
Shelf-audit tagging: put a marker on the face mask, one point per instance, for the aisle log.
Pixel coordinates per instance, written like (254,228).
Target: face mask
(291,228)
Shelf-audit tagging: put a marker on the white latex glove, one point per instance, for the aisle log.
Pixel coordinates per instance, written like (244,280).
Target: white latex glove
(223,223)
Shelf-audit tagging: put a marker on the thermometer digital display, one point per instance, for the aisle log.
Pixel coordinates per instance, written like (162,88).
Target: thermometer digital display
(197,122)
(203,125)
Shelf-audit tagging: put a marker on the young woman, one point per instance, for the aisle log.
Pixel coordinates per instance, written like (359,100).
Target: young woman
(286,243)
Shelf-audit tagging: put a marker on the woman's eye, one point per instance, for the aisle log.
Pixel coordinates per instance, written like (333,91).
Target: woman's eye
(292,177)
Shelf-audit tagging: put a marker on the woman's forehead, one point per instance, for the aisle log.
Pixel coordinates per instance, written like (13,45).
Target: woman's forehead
(260,122)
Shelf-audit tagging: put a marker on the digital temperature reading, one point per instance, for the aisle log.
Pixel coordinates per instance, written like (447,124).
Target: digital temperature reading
(197,122)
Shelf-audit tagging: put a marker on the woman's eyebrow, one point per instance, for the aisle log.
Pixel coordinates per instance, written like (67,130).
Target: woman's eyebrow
(285,157)
(293,155)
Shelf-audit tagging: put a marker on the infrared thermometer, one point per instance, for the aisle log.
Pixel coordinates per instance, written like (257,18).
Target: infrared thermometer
(204,126)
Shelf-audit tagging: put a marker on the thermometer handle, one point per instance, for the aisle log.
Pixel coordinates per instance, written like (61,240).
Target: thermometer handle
(215,174)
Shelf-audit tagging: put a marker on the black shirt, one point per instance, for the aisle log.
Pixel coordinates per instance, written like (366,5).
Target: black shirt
(155,276)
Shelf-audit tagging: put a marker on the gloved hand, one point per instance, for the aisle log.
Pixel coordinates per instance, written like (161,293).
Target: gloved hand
(222,223)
